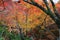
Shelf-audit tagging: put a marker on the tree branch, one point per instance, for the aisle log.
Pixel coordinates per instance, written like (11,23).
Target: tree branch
(54,8)
(48,11)
(37,5)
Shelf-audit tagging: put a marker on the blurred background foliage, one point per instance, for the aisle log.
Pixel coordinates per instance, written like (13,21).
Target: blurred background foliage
(29,18)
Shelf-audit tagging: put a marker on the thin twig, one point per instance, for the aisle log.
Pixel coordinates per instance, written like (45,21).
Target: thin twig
(54,8)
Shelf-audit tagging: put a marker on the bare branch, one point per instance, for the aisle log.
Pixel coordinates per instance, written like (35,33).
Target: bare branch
(37,5)
(43,9)
(54,8)
(47,5)
(48,11)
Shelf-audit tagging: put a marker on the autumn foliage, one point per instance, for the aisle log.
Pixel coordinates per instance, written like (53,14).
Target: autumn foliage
(32,20)
(16,12)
